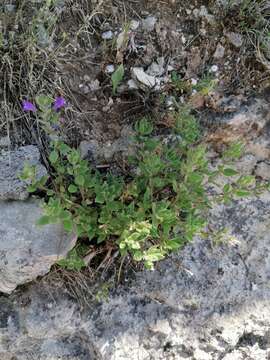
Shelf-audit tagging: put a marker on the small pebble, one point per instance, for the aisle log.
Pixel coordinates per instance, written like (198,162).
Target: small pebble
(220,51)
(4,141)
(149,23)
(132,84)
(214,68)
(235,39)
(107,35)
(86,78)
(109,69)
(134,24)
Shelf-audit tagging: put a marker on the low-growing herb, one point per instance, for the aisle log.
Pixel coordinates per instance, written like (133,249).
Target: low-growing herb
(149,215)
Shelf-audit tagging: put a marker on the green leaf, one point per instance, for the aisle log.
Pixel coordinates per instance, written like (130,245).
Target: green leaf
(79,180)
(144,127)
(153,254)
(44,220)
(72,189)
(44,102)
(117,77)
(234,151)
(242,193)
(73,261)
(174,244)
(68,225)
(227,188)
(31,188)
(74,157)
(246,180)
(64,148)
(53,157)
(229,172)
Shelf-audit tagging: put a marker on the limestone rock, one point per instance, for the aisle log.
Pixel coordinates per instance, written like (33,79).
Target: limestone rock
(263,171)
(144,80)
(149,23)
(11,166)
(235,39)
(220,51)
(4,142)
(26,250)
(207,302)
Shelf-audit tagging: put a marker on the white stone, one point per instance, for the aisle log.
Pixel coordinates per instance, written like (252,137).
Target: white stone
(263,171)
(142,78)
(27,250)
(149,23)
(109,69)
(214,68)
(107,35)
(11,166)
(134,24)
(219,53)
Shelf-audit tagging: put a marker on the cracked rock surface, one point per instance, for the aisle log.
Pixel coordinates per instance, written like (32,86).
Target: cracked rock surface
(26,250)
(208,302)
(11,166)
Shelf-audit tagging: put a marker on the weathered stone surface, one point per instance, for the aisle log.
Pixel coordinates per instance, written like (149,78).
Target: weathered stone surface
(4,142)
(149,23)
(208,302)
(26,250)
(235,39)
(11,166)
(263,171)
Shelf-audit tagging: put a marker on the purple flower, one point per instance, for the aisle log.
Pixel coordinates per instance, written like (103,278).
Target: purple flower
(59,103)
(28,106)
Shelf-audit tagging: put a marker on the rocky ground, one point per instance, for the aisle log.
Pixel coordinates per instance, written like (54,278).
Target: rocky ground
(210,301)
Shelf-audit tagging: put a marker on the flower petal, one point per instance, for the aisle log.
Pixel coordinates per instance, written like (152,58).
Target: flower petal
(59,103)
(28,106)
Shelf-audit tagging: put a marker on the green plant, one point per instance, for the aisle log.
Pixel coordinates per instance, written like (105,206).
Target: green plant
(117,77)
(206,84)
(147,216)
(74,260)
(179,84)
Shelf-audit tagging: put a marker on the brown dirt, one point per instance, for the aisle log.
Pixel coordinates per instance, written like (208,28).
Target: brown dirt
(185,41)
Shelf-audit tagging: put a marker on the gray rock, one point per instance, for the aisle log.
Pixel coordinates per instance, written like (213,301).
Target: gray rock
(134,25)
(156,68)
(11,166)
(149,23)
(4,142)
(263,171)
(26,250)
(132,84)
(235,39)
(109,69)
(246,164)
(142,79)
(220,51)
(107,35)
(207,302)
